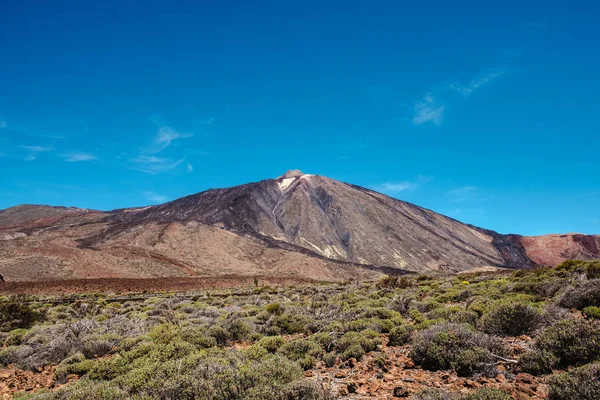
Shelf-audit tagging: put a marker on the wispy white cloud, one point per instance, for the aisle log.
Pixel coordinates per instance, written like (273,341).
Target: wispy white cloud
(164,138)
(154,165)
(468,89)
(189,167)
(432,107)
(35,150)
(155,197)
(76,156)
(463,193)
(402,186)
(147,159)
(428,110)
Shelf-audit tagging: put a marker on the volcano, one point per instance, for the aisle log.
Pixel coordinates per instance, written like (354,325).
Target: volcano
(295,225)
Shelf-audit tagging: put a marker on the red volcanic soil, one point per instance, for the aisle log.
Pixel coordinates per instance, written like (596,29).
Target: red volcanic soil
(117,285)
(552,250)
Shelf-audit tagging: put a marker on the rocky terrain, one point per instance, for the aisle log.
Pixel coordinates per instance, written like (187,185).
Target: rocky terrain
(297,225)
(494,335)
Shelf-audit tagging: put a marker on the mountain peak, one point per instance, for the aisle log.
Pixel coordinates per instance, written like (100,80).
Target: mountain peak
(292,173)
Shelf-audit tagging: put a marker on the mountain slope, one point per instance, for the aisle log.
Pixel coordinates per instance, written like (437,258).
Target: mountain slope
(297,224)
(338,221)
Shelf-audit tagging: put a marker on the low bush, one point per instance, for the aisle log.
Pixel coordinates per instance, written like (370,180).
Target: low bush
(400,335)
(15,314)
(572,341)
(487,394)
(454,314)
(271,343)
(433,394)
(584,295)
(395,282)
(305,390)
(292,323)
(481,394)
(577,384)
(510,319)
(303,351)
(592,312)
(218,333)
(239,330)
(538,362)
(456,347)
(356,344)
(591,269)
(84,390)
(15,337)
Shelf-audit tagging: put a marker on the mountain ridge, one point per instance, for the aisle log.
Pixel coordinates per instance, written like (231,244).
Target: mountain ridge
(295,218)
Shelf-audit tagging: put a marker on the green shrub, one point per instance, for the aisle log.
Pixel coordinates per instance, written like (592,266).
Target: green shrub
(433,394)
(324,339)
(305,390)
(481,394)
(218,333)
(573,342)
(330,359)
(538,362)
(416,315)
(510,319)
(271,343)
(303,351)
(239,330)
(578,384)
(584,295)
(454,314)
(487,394)
(79,368)
(590,268)
(400,335)
(15,337)
(592,312)
(292,323)
(15,314)
(394,282)
(274,308)
(355,345)
(84,390)
(456,347)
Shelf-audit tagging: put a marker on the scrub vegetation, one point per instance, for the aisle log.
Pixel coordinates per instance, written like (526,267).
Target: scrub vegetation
(473,336)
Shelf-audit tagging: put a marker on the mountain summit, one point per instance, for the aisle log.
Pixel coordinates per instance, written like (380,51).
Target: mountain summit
(298,224)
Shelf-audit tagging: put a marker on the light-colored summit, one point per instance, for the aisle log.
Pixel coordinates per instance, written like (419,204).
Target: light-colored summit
(292,173)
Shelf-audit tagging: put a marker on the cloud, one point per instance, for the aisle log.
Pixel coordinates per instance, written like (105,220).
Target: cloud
(78,157)
(155,198)
(463,193)
(189,167)
(147,160)
(35,150)
(476,83)
(428,110)
(154,165)
(431,108)
(165,136)
(2,124)
(402,186)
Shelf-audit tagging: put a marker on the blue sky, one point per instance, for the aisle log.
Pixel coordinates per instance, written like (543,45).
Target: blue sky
(488,113)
